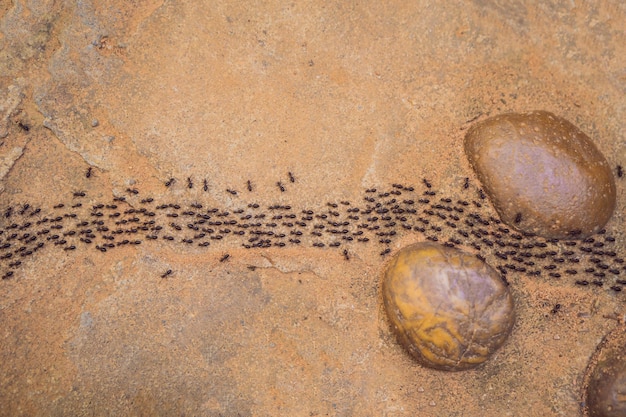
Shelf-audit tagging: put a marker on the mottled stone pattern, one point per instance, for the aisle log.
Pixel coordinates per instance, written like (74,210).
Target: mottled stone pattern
(542,173)
(450,310)
(347,96)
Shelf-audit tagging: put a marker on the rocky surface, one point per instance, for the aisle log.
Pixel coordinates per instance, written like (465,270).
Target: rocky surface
(346,97)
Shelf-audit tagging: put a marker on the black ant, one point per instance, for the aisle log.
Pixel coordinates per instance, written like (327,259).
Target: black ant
(167,273)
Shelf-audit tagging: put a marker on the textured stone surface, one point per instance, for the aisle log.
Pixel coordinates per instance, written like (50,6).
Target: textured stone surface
(345,95)
(450,310)
(605,382)
(542,174)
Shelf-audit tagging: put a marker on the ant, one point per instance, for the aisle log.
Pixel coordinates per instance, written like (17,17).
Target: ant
(167,273)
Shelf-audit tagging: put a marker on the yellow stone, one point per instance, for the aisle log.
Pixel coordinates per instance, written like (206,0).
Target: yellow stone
(449,309)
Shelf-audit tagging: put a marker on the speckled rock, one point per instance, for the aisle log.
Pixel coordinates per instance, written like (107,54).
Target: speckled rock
(542,174)
(450,310)
(605,382)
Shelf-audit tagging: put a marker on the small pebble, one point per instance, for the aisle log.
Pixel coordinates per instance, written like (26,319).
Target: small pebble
(604,383)
(542,174)
(449,309)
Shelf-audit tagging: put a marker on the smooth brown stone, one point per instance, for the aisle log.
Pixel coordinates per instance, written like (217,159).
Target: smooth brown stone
(542,174)
(450,310)
(605,381)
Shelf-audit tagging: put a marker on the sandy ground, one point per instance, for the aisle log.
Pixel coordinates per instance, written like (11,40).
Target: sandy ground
(345,96)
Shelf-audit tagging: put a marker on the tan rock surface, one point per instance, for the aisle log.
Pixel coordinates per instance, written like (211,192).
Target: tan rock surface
(345,96)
